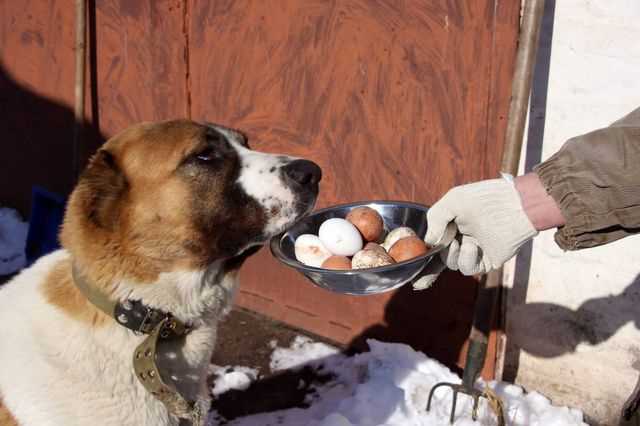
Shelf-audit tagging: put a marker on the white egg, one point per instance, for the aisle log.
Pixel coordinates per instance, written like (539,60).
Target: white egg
(310,250)
(340,237)
(397,234)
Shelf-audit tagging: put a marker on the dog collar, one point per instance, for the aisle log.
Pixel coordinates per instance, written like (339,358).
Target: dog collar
(132,314)
(158,325)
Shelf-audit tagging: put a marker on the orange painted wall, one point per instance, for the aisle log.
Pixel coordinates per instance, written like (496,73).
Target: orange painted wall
(396,99)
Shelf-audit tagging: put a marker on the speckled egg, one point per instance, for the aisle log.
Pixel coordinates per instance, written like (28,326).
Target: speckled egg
(375,247)
(397,234)
(371,259)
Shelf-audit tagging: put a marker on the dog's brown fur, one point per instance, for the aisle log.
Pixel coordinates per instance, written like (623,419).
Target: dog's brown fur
(114,192)
(125,231)
(61,292)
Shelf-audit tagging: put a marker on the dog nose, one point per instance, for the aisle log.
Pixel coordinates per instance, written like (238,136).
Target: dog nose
(303,172)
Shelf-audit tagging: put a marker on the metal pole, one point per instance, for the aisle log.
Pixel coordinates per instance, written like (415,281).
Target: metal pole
(80,48)
(521,85)
(490,286)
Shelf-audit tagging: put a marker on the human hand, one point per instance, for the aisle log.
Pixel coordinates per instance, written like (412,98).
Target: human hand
(492,225)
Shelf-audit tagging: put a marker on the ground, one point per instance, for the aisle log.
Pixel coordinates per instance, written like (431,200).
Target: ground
(274,374)
(246,338)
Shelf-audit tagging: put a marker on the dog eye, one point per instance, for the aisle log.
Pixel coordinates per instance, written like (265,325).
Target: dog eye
(209,155)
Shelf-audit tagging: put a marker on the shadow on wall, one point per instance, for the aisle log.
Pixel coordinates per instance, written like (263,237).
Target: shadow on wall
(37,140)
(37,151)
(426,321)
(549,330)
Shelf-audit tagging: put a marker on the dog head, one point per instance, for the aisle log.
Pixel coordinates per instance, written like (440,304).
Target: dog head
(159,196)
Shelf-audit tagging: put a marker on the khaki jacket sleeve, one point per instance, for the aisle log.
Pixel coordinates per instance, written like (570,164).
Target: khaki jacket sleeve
(595,180)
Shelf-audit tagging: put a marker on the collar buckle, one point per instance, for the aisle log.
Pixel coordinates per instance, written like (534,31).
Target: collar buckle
(146,326)
(142,319)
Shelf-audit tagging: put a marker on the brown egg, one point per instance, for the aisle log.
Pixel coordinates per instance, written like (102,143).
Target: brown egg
(337,263)
(407,248)
(368,222)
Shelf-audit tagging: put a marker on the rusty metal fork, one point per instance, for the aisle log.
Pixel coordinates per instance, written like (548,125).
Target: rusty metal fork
(475,360)
(474,393)
(478,341)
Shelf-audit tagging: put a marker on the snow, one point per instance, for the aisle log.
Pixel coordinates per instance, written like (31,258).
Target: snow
(389,386)
(232,378)
(302,351)
(13,238)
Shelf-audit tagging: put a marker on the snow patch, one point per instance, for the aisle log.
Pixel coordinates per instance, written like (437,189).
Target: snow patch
(13,238)
(303,351)
(231,378)
(389,386)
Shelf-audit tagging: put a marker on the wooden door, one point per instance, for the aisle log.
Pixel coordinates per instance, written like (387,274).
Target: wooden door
(395,99)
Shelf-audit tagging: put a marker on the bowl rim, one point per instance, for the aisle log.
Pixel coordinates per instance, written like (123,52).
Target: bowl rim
(276,250)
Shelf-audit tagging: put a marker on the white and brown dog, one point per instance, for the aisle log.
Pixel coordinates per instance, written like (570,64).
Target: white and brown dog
(161,220)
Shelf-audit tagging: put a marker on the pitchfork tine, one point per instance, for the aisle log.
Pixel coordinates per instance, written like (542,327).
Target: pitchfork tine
(474,413)
(433,390)
(453,406)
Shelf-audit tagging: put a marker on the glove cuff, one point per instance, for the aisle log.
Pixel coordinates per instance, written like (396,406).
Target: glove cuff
(499,201)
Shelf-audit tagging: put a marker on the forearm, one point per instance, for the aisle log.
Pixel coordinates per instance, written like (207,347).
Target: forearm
(540,207)
(594,180)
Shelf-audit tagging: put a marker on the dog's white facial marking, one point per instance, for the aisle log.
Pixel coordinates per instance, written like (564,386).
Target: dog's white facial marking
(261,178)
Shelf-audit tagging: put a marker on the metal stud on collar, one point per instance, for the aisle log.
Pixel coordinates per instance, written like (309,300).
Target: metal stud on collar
(146,369)
(142,319)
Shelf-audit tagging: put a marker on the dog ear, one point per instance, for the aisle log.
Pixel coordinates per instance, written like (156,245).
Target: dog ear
(101,188)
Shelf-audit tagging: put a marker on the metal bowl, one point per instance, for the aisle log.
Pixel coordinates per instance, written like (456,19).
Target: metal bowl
(359,281)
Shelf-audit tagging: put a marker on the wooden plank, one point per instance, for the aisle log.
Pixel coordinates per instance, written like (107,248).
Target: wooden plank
(392,99)
(506,29)
(141,63)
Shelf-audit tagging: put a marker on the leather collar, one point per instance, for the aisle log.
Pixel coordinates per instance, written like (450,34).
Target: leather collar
(132,314)
(158,325)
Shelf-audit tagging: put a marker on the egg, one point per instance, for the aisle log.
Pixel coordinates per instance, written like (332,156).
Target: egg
(309,250)
(371,259)
(340,237)
(375,247)
(397,234)
(407,248)
(368,222)
(337,263)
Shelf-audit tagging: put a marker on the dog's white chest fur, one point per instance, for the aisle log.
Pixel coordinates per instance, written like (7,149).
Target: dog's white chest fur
(55,370)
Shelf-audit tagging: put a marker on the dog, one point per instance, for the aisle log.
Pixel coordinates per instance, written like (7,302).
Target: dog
(158,224)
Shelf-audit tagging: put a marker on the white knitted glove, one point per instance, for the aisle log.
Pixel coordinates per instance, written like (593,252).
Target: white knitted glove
(492,225)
